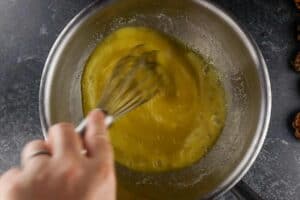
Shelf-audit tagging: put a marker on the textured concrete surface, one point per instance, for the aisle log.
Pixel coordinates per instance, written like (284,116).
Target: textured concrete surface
(28,29)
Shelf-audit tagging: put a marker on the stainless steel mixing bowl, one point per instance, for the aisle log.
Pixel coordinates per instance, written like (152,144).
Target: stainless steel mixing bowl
(210,31)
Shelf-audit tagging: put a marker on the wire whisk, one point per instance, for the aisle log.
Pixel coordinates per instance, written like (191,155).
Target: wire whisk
(134,81)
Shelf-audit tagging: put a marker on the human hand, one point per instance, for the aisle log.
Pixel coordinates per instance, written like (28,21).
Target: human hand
(58,170)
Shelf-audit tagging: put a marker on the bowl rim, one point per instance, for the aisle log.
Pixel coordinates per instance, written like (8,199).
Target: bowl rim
(261,67)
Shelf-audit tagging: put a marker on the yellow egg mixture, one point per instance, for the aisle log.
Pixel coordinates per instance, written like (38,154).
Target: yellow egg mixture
(180,124)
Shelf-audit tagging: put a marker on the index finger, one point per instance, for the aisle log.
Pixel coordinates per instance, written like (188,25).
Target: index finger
(96,139)
(64,142)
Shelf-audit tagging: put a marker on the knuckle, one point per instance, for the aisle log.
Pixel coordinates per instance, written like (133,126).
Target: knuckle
(78,173)
(71,168)
(32,147)
(33,144)
(29,146)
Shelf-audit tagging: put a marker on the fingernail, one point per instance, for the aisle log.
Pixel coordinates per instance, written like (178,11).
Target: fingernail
(98,109)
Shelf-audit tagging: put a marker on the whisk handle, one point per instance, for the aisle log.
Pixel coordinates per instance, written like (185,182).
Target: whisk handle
(80,129)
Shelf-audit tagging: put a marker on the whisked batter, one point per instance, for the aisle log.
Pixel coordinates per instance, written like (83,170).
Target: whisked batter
(181,123)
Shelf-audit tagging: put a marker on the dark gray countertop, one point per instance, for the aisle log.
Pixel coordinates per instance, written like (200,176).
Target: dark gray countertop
(28,28)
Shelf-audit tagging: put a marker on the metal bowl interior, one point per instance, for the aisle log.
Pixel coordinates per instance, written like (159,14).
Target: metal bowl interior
(208,30)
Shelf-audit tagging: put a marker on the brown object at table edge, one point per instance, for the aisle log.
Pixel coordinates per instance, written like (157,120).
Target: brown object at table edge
(297,3)
(296,62)
(296,125)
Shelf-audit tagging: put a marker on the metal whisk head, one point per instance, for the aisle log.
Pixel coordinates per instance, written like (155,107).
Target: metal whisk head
(134,81)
